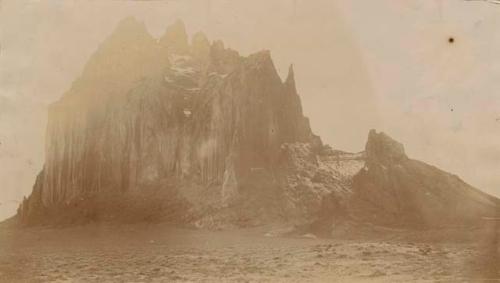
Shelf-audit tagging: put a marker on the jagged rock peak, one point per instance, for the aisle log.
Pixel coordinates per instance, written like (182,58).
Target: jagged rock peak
(200,45)
(218,45)
(290,79)
(129,29)
(130,22)
(222,60)
(382,148)
(175,38)
(126,55)
(178,26)
(262,62)
(200,38)
(261,58)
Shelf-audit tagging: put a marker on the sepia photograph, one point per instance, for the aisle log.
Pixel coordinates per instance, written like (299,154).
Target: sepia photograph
(249,141)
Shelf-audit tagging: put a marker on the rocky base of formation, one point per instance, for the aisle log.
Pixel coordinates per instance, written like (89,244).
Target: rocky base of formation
(196,134)
(316,190)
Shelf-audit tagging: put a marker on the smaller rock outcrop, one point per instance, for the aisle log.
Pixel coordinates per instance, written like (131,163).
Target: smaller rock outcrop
(380,148)
(393,189)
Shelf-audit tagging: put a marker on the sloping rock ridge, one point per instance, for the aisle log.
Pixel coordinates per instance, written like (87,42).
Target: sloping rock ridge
(393,189)
(193,132)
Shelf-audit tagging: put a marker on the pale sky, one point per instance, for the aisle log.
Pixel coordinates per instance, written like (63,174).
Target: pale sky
(384,64)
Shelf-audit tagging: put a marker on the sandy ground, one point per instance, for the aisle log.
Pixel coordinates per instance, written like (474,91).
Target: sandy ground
(158,253)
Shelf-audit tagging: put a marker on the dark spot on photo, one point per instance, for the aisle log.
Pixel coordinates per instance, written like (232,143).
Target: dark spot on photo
(451,40)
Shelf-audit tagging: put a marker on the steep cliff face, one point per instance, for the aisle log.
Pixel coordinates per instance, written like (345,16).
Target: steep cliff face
(193,132)
(393,189)
(149,115)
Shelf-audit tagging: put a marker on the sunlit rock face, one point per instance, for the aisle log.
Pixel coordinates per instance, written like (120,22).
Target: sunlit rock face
(147,115)
(189,131)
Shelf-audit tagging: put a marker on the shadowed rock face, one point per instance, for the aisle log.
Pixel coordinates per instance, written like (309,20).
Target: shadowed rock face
(151,115)
(195,133)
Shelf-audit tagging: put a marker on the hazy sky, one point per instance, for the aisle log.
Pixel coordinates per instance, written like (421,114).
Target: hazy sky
(385,64)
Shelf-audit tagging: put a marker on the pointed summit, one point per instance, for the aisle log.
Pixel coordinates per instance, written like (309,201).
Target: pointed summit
(175,38)
(217,45)
(290,79)
(129,21)
(130,28)
(261,58)
(125,56)
(263,62)
(222,60)
(200,45)
(200,38)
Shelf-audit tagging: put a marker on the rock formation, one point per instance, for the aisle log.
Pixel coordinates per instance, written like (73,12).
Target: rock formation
(146,115)
(196,133)
(393,189)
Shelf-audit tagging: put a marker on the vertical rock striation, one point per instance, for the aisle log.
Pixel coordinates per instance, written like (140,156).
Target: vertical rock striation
(194,132)
(146,115)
